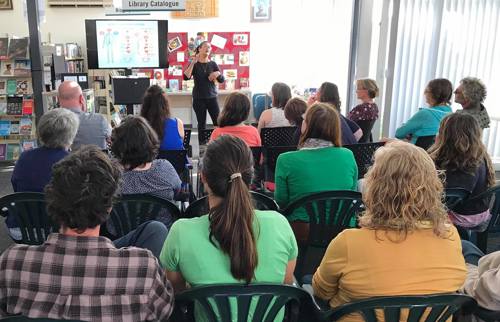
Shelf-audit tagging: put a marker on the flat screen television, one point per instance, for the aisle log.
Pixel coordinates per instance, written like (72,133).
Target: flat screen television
(126,43)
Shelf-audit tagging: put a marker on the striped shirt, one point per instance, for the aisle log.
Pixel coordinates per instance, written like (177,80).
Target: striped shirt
(83,278)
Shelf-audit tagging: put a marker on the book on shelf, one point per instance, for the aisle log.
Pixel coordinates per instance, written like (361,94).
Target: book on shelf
(22,87)
(173,85)
(75,66)
(3,87)
(11,87)
(72,51)
(13,151)
(25,126)
(14,127)
(3,104)
(6,68)
(22,68)
(14,105)
(27,106)
(4,127)
(18,48)
(244,82)
(4,47)
(3,151)
(28,145)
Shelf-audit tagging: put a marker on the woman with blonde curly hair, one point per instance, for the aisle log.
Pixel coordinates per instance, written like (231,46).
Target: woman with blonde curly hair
(461,154)
(406,244)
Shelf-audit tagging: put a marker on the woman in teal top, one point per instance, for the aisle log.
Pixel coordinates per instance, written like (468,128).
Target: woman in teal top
(320,164)
(233,243)
(426,121)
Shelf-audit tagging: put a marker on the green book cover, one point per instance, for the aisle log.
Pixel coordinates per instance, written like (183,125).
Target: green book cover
(13,151)
(11,87)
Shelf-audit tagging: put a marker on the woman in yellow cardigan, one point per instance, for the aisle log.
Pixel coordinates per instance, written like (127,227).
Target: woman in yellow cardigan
(406,244)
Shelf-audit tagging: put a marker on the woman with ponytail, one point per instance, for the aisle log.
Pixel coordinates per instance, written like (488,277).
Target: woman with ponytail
(233,243)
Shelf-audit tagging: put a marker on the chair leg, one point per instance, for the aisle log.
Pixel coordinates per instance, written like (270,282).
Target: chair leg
(482,241)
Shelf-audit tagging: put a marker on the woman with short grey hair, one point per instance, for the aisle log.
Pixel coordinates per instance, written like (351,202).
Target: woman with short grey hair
(471,94)
(56,131)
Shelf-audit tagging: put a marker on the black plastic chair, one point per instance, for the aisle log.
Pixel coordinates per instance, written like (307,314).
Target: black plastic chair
(215,302)
(425,142)
(278,136)
(454,196)
(178,159)
(405,308)
(363,154)
(135,209)
(30,211)
(366,126)
(204,135)
(200,206)
(271,155)
(186,142)
(494,224)
(330,212)
(487,315)
(20,318)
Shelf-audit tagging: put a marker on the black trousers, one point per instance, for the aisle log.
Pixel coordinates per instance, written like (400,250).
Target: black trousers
(201,106)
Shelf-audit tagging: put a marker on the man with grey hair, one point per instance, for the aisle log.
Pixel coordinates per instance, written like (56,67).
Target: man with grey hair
(56,131)
(94,129)
(471,94)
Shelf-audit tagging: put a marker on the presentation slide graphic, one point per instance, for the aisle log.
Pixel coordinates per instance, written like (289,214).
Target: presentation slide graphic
(127,44)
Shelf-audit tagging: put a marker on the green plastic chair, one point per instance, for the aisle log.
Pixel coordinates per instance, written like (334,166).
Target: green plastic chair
(487,315)
(200,206)
(214,301)
(438,307)
(330,212)
(30,211)
(494,224)
(135,209)
(27,319)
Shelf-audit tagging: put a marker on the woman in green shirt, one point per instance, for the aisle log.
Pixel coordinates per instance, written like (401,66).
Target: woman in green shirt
(320,164)
(233,243)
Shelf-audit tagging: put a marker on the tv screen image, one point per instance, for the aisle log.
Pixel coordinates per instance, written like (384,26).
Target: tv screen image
(126,43)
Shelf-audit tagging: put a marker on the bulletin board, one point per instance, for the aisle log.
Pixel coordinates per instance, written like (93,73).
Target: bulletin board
(230,50)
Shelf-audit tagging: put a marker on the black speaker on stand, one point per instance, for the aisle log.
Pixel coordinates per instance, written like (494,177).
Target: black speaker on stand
(129,90)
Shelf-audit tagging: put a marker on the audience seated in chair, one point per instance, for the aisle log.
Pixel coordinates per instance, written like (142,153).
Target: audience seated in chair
(76,274)
(406,244)
(460,152)
(426,121)
(56,131)
(294,112)
(231,120)
(275,116)
(471,94)
(366,113)
(135,145)
(329,93)
(320,164)
(233,243)
(156,110)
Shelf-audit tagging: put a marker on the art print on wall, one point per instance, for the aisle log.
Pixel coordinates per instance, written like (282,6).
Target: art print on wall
(260,11)
(6,5)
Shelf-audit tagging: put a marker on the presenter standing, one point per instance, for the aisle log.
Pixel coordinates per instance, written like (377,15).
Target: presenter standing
(205,73)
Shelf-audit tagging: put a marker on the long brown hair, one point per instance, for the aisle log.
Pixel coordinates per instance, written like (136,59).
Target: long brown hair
(459,146)
(227,169)
(323,122)
(155,109)
(281,93)
(329,93)
(236,110)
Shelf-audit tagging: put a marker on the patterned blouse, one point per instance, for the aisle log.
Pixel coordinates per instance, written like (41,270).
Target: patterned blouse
(364,112)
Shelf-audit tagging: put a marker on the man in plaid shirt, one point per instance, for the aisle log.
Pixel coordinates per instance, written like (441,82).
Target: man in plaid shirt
(76,274)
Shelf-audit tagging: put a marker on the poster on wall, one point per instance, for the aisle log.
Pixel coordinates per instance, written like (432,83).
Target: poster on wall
(260,10)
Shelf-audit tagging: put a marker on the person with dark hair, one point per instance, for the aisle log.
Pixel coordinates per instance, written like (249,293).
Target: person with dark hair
(460,152)
(156,110)
(366,113)
(471,94)
(205,73)
(320,164)
(294,111)
(135,144)
(426,121)
(231,120)
(275,116)
(77,274)
(329,93)
(233,243)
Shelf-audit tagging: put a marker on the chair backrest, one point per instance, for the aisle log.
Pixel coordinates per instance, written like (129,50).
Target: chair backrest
(254,302)
(200,206)
(272,153)
(363,154)
(278,136)
(260,102)
(30,211)
(205,135)
(366,126)
(256,153)
(330,212)
(19,318)
(405,308)
(187,138)
(487,315)
(453,197)
(135,209)
(426,141)
(177,158)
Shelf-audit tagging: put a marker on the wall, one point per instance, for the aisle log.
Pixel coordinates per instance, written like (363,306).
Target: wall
(304,45)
